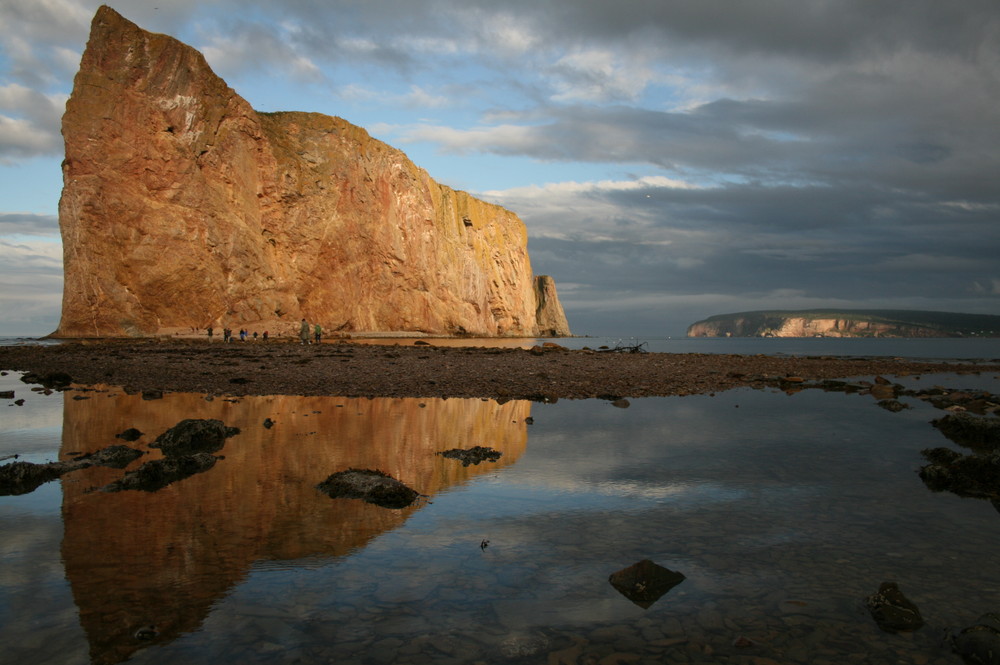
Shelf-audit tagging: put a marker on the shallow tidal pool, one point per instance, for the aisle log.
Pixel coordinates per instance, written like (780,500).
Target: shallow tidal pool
(783,512)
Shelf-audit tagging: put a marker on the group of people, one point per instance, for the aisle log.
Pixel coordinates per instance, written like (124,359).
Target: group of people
(304,332)
(244,335)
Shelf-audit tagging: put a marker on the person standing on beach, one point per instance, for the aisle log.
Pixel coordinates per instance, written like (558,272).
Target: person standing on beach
(319,333)
(304,332)
(210,334)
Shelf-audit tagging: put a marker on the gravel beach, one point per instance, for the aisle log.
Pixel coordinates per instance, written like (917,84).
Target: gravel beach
(420,370)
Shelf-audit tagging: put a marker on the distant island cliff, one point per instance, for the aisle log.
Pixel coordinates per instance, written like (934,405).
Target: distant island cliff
(183,208)
(846,323)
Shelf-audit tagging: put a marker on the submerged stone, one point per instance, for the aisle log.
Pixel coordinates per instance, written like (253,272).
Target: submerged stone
(980,643)
(372,486)
(892,611)
(645,582)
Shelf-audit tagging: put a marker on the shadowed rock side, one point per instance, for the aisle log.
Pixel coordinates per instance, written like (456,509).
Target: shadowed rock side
(183,207)
(200,537)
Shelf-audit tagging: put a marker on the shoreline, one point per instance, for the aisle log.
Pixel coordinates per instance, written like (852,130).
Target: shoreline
(345,369)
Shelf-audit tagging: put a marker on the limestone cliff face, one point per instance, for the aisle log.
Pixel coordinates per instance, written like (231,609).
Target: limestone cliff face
(182,207)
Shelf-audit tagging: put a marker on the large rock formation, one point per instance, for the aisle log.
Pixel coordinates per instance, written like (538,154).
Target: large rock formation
(182,207)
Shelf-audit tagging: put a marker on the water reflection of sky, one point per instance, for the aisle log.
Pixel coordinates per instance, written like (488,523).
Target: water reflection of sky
(755,496)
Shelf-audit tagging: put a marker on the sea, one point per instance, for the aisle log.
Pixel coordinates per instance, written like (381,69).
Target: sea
(775,514)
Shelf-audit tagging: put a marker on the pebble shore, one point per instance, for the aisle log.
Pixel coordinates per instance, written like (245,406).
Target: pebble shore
(420,370)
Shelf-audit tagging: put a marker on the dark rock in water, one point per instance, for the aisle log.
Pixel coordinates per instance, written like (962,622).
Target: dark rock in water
(25,477)
(645,582)
(157,474)
(892,611)
(970,431)
(54,380)
(965,475)
(131,434)
(621,403)
(194,436)
(473,455)
(371,486)
(893,405)
(980,643)
(268,423)
(152,394)
(7,394)
(116,457)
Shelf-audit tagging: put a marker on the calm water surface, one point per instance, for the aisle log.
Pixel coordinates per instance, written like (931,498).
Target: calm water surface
(783,512)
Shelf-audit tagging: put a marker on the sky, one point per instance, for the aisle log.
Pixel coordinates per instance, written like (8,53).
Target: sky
(672,160)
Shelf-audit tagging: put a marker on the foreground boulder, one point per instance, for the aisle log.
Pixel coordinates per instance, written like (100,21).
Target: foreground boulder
(371,486)
(174,184)
(892,611)
(194,436)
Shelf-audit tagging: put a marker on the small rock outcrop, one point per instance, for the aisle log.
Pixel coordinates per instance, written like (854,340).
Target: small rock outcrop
(192,436)
(473,455)
(372,486)
(184,208)
(157,474)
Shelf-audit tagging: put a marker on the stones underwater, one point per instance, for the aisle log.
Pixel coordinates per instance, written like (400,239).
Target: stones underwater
(645,582)
(892,611)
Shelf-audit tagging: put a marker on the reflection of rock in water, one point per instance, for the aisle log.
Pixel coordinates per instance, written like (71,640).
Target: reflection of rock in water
(134,559)
(645,582)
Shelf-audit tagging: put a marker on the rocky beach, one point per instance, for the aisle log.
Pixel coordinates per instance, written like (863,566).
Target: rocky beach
(420,369)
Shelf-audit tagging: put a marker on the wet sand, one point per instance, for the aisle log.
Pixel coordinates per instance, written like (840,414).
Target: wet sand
(408,370)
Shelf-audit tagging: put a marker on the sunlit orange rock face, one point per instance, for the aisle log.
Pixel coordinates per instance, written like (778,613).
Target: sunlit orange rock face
(136,558)
(182,207)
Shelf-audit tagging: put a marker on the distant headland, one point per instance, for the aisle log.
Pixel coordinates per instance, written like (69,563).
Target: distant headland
(184,208)
(846,323)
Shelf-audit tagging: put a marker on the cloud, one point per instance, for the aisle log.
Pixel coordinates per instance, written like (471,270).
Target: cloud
(29,122)
(26,224)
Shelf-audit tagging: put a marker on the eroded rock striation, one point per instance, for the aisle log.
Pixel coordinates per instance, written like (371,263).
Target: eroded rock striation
(183,207)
